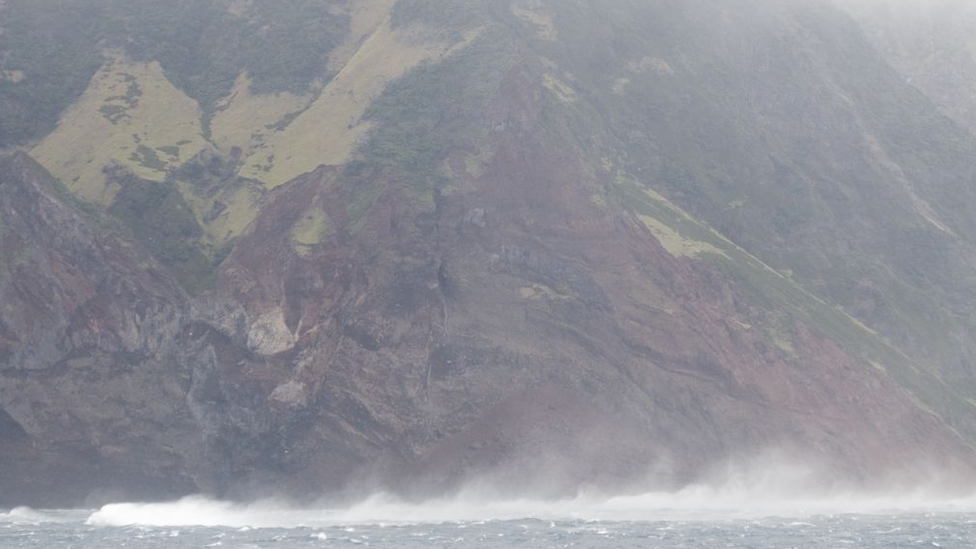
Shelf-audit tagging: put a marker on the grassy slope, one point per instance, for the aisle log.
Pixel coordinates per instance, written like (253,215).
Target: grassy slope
(202,47)
(332,127)
(151,107)
(130,115)
(175,121)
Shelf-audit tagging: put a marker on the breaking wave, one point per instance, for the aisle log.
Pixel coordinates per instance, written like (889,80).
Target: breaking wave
(26,515)
(769,492)
(385,509)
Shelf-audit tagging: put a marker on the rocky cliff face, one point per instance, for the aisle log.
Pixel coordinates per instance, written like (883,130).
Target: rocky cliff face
(93,396)
(608,243)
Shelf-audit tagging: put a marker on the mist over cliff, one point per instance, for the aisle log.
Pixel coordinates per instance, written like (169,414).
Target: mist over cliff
(307,247)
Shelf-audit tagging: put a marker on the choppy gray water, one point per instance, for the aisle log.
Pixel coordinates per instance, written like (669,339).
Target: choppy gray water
(80,530)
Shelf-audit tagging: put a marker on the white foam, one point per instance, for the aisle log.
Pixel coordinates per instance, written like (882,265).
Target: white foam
(201,511)
(26,515)
(770,487)
(693,503)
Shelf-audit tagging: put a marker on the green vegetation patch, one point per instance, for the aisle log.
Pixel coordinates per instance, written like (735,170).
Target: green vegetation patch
(58,46)
(158,217)
(425,115)
(764,285)
(117,107)
(113,113)
(148,158)
(203,47)
(775,292)
(171,150)
(54,44)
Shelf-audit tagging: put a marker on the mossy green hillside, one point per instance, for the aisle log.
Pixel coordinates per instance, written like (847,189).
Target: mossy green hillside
(203,46)
(781,295)
(440,102)
(161,220)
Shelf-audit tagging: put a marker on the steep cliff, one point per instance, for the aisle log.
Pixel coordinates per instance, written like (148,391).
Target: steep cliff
(93,397)
(610,243)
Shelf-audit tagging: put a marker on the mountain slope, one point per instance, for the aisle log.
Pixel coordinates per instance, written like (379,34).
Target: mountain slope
(612,243)
(930,44)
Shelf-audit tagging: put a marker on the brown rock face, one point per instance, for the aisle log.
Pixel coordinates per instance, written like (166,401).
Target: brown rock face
(523,332)
(92,399)
(515,306)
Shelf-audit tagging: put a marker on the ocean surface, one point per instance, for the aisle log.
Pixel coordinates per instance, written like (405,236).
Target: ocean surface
(699,520)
